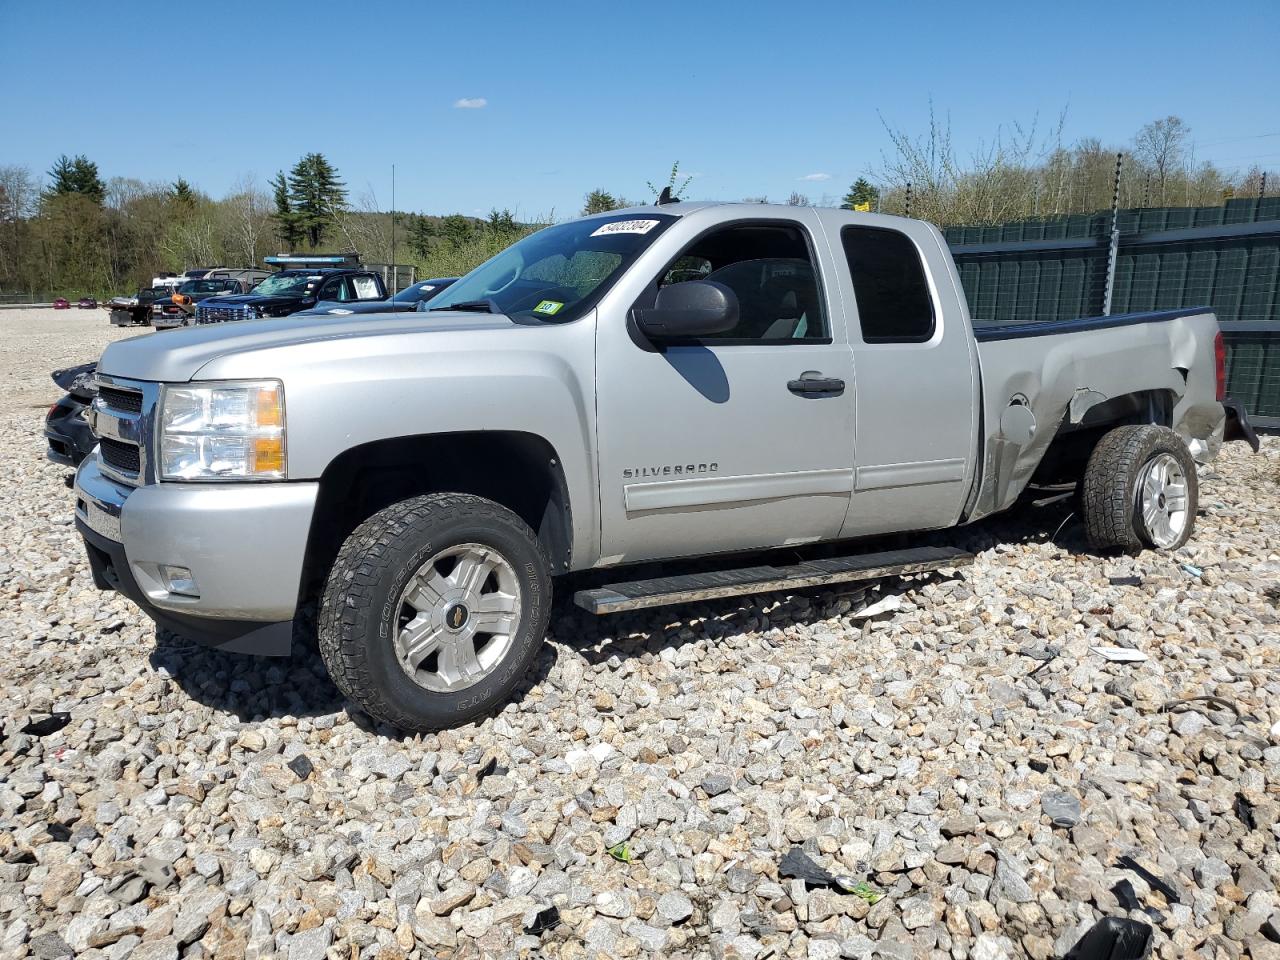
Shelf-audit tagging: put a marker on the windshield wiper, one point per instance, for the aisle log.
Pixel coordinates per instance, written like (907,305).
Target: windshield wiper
(477,306)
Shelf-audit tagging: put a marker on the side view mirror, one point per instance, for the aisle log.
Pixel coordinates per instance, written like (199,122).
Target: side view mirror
(695,308)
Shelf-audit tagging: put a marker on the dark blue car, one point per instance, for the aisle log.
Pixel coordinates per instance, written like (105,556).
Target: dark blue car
(406,301)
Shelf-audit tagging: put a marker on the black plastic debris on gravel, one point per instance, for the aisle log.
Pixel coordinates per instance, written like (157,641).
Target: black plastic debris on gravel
(1113,938)
(301,766)
(1127,897)
(1125,581)
(1154,882)
(543,921)
(1244,811)
(49,725)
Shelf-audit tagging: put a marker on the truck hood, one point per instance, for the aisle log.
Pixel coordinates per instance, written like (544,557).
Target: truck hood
(339,308)
(177,356)
(263,303)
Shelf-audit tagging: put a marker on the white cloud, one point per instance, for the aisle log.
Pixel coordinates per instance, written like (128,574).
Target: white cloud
(471,103)
(816,176)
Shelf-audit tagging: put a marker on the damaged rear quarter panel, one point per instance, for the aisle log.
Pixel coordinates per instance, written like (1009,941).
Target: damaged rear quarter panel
(1063,376)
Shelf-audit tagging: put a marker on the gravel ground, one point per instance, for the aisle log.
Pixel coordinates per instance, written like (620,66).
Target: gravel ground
(660,765)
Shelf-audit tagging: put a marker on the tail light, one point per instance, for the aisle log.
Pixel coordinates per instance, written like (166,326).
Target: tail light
(1220,365)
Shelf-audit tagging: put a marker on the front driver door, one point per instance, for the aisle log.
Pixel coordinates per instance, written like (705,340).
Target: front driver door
(713,446)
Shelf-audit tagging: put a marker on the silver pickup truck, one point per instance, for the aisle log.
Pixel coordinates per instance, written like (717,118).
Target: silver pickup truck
(680,383)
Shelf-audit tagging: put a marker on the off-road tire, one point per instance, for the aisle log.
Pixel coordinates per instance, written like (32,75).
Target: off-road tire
(1110,491)
(358,609)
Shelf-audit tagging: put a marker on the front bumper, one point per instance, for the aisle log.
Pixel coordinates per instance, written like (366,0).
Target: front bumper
(164,321)
(244,544)
(69,434)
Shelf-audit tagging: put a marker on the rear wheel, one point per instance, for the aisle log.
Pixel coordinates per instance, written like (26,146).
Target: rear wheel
(434,610)
(1140,490)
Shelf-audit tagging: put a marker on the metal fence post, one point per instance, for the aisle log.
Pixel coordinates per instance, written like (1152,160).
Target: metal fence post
(1114,252)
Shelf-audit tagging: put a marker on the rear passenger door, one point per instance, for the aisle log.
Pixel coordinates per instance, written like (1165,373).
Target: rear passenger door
(915,380)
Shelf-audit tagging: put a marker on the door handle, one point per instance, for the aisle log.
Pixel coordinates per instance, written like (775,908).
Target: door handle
(811,382)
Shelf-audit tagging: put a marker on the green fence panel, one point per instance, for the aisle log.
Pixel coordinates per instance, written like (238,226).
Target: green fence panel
(1171,283)
(1049,304)
(1201,273)
(1259,301)
(1074,301)
(1228,287)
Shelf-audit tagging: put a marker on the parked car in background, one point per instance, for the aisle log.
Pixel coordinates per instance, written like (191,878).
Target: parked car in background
(249,277)
(61,304)
(671,384)
(66,426)
(87,303)
(411,298)
(137,312)
(291,291)
(178,309)
(170,281)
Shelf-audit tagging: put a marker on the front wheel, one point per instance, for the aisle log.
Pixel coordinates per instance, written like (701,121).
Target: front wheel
(1140,489)
(434,609)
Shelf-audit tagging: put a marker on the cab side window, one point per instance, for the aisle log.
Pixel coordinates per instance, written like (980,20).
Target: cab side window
(366,287)
(894,305)
(335,289)
(770,269)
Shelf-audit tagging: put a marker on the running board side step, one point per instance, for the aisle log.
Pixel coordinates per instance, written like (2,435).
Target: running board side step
(662,591)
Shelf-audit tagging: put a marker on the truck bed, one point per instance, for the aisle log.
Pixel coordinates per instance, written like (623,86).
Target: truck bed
(1044,379)
(988,330)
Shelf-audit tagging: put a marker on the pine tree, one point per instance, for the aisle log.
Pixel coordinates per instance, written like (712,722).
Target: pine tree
(501,222)
(183,193)
(76,174)
(422,234)
(599,201)
(285,220)
(316,195)
(861,196)
(455,229)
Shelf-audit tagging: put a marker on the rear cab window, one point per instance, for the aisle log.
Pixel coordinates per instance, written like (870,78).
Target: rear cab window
(889,285)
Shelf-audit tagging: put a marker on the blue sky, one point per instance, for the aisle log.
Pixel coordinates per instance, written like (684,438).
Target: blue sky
(752,98)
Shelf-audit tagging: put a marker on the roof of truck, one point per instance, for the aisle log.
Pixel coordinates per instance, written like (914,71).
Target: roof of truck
(685,207)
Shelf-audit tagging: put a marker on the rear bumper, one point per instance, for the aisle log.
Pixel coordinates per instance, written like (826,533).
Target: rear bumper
(243,543)
(1238,426)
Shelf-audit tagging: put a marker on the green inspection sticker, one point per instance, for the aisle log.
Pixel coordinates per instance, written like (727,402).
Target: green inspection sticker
(549,307)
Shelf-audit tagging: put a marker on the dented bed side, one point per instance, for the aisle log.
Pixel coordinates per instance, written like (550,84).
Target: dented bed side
(1036,386)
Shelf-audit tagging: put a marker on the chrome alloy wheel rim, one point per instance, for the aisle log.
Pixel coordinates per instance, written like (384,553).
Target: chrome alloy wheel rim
(457,617)
(1162,498)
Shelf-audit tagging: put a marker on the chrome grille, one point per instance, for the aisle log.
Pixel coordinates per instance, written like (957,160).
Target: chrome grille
(224,314)
(122,456)
(122,419)
(127,400)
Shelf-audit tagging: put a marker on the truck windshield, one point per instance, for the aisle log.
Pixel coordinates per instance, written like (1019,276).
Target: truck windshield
(560,272)
(284,285)
(206,286)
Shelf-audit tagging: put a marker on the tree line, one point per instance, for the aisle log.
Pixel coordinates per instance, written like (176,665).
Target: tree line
(75,231)
(83,233)
(1021,173)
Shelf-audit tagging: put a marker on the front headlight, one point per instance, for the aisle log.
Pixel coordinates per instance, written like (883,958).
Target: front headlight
(223,431)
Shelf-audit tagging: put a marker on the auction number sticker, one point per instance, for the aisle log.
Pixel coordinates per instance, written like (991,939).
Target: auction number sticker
(549,307)
(625,226)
